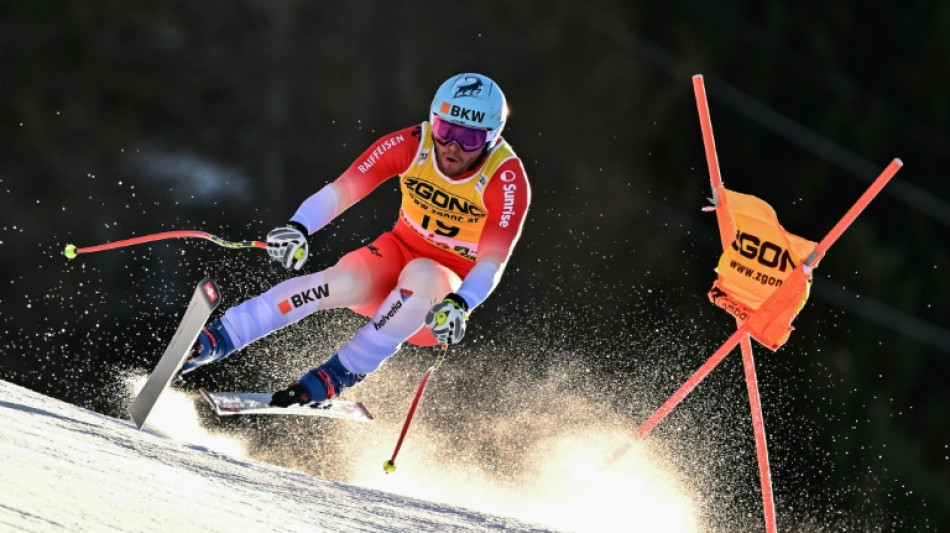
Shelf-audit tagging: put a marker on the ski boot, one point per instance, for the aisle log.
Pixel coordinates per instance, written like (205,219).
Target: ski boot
(319,385)
(213,344)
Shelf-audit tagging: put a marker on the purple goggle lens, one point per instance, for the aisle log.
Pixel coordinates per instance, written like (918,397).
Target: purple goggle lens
(468,139)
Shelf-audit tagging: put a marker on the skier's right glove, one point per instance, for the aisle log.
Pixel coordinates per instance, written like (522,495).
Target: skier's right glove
(288,245)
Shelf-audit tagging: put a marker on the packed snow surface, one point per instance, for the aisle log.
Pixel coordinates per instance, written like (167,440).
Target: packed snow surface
(64,468)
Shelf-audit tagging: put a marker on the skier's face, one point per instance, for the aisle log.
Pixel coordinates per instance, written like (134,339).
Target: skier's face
(453,162)
(456,146)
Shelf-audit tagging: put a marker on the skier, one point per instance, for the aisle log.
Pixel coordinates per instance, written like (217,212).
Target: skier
(464,199)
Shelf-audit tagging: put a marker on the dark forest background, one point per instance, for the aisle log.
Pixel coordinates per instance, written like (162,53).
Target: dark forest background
(126,118)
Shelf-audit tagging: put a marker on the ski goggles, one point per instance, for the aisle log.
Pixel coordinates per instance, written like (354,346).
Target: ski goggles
(469,139)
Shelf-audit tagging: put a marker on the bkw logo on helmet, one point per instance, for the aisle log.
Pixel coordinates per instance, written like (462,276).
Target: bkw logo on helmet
(462,113)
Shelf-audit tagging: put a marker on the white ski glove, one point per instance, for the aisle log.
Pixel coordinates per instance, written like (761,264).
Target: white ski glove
(447,319)
(288,245)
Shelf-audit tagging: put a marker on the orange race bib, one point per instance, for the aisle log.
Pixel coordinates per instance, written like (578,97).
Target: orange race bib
(447,213)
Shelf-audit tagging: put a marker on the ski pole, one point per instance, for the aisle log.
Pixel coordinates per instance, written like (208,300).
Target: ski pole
(72,251)
(390,465)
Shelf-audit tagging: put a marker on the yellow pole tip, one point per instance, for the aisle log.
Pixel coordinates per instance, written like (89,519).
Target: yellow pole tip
(389,466)
(70,251)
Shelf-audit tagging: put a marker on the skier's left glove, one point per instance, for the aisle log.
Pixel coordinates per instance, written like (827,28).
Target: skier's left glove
(447,319)
(288,245)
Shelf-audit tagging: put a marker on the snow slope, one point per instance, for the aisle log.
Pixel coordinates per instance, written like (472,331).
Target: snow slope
(64,468)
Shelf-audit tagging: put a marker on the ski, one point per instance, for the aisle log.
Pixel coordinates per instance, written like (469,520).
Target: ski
(203,303)
(255,403)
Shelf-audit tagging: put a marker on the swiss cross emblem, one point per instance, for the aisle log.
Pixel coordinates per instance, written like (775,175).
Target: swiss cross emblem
(209,290)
